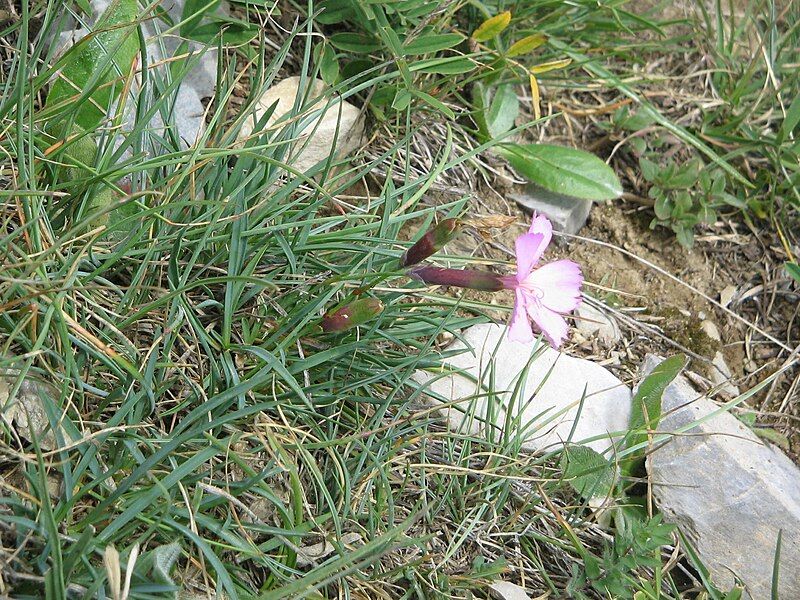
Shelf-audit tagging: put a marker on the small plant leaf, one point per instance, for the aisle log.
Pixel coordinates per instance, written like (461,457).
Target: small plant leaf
(646,403)
(354,42)
(432,43)
(502,112)
(492,27)
(111,50)
(527,44)
(328,65)
(794,271)
(588,472)
(193,13)
(564,170)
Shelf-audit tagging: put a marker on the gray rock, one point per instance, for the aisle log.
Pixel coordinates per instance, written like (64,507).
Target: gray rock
(545,411)
(729,493)
(326,125)
(568,214)
(593,321)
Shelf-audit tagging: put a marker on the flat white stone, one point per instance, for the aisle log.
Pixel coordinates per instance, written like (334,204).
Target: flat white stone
(326,124)
(729,493)
(505,590)
(544,411)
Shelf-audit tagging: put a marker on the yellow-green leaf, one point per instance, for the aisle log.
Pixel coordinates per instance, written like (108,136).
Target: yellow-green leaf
(535,97)
(527,44)
(550,66)
(492,27)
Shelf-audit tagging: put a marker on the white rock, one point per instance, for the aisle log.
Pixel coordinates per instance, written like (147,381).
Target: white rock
(728,492)
(505,590)
(545,410)
(567,214)
(326,124)
(593,321)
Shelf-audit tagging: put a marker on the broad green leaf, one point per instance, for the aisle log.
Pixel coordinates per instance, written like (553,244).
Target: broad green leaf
(502,112)
(588,472)
(527,44)
(104,56)
(432,43)
(649,169)
(452,65)
(354,42)
(334,11)
(794,270)
(646,403)
(492,27)
(193,13)
(564,170)
(328,65)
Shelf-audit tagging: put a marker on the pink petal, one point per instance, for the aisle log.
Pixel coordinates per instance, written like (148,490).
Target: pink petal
(519,328)
(542,224)
(552,324)
(560,283)
(529,247)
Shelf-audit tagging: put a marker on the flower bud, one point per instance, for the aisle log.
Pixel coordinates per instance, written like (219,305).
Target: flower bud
(463,278)
(353,314)
(430,243)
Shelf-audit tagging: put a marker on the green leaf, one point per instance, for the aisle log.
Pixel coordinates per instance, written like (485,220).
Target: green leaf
(334,11)
(502,112)
(432,43)
(103,56)
(794,270)
(587,471)
(646,403)
(328,65)
(354,42)
(663,207)
(452,65)
(650,170)
(792,117)
(193,13)
(685,236)
(564,170)
(527,44)
(492,27)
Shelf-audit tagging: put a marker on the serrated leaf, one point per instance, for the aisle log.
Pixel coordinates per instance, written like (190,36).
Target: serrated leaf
(646,403)
(550,66)
(527,44)
(564,170)
(104,56)
(794,270)
(502,112)
(492,27)
(587,471)
(427,44)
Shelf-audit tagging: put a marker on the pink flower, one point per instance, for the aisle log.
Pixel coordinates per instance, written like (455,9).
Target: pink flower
(544,294)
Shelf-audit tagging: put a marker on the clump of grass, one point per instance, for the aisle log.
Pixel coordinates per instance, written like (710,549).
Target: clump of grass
(207,430)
